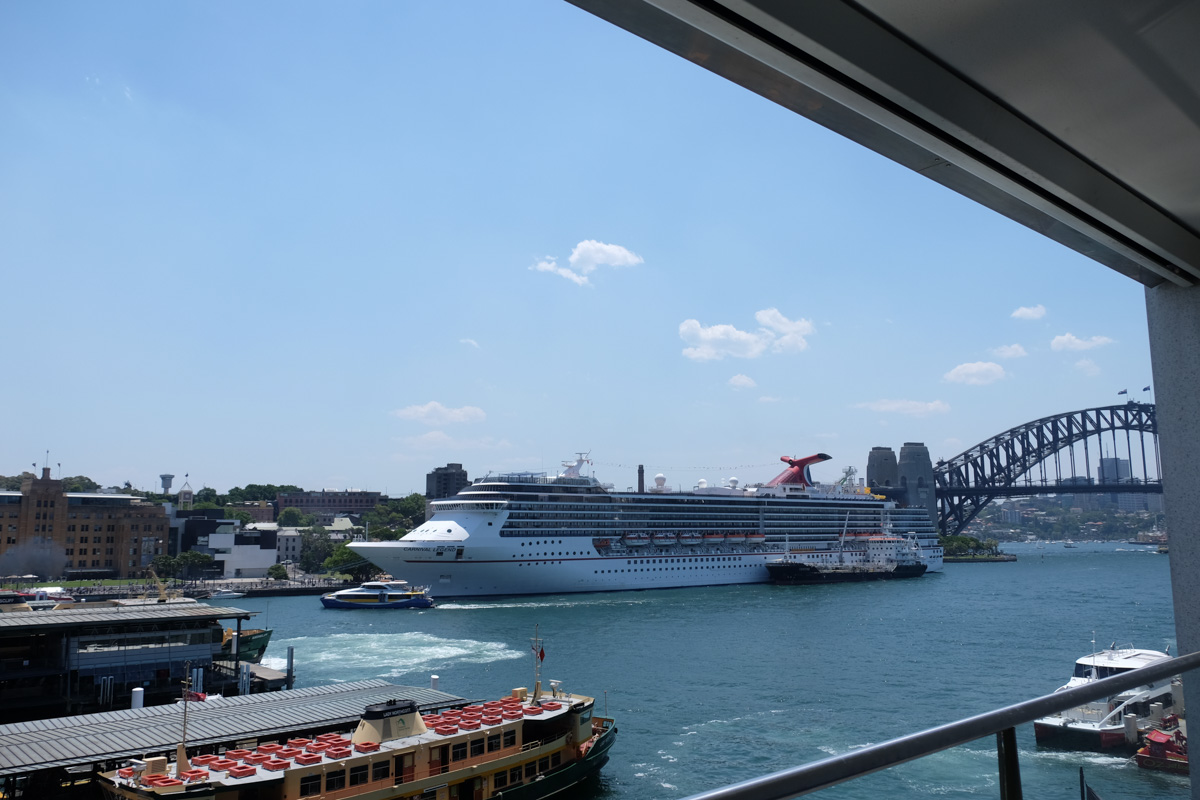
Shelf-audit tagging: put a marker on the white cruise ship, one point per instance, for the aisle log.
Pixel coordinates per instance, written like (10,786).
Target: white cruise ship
(529,533)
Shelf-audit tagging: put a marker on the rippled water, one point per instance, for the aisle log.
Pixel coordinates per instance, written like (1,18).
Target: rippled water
(713,686)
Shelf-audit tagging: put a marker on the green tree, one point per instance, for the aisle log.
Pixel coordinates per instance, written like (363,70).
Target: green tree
(345,560)
(165,566)
(315,547)
(206,495)
(237,513)
(193,563)
(292,517)
(277,572)
(12,483)
(79,483)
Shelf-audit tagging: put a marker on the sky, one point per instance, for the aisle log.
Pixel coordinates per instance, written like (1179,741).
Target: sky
(340,245)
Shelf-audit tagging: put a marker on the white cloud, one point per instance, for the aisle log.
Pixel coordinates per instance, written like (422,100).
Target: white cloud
(790,333)
(1030,312)
(740,381)
(587,256)
(434,413)
(977,373)
(471,342)
(1009,351)
(550,265)
(914,408)
(1069,341)
(952,441)
(590,254)
(1087,367)
(717,341)
(778,333)
(766,398)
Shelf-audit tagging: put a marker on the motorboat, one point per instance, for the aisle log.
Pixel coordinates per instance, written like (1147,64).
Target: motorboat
(1100,725)
(226,594)
(379,594)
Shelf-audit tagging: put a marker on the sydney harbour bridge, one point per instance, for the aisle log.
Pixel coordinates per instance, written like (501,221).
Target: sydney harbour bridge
(1109,450)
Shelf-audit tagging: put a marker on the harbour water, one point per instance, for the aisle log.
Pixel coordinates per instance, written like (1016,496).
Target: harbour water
(712,686)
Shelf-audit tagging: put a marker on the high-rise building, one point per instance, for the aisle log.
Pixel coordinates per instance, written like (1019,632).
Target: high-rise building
(446,481)
(52,533)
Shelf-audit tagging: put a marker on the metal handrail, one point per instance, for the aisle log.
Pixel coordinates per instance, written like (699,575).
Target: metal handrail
(838,769)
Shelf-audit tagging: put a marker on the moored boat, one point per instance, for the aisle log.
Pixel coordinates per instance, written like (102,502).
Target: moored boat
(883,558)
(690,538)
(379,594)
(664,538)
(252,643)
(527,745)
(226,594)
(1100,725)
(1165,752)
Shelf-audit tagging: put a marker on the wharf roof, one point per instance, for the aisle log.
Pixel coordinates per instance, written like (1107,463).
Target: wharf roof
(86,739)
(20,621)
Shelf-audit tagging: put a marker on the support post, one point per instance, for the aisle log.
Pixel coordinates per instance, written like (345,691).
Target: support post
(1173,317)
(1010,767)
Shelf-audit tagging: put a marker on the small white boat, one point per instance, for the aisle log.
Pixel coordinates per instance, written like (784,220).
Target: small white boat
(226,594)
(664,538)
(1099,725)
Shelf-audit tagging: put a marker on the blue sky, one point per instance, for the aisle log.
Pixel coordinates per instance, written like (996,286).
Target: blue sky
(338,246)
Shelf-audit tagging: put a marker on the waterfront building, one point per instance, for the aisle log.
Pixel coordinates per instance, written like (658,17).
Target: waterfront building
(446,481)
(90,657)
(328,503)
(78,535)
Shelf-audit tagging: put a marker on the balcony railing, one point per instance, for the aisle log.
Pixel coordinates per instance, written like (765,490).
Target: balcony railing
(1001,723)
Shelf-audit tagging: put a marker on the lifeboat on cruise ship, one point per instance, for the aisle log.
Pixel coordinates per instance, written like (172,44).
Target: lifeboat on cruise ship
(714,537)
(636,539)
(755,538)
(735,537)
(664,538)
(690,538)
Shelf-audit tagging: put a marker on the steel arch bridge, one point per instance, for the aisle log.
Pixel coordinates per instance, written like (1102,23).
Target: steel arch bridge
(1029,459)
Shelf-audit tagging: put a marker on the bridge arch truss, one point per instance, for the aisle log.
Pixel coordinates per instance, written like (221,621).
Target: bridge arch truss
(1044,456)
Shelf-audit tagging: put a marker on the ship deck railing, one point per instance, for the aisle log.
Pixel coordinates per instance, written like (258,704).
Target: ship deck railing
(1001,723)
(535,744)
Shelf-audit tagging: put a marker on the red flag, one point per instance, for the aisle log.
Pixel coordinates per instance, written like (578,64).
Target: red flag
(542,654)
(194,697)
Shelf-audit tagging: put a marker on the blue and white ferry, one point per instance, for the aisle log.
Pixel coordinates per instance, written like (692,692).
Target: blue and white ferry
(379,594)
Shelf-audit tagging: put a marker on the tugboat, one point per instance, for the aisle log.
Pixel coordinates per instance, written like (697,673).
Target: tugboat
(526,745)
(379,594)
(1164,752)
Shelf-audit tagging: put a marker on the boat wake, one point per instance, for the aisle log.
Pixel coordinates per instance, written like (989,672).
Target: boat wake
(403,652)
(549,602)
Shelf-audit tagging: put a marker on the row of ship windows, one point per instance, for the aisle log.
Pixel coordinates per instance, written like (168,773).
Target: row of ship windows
(659,569)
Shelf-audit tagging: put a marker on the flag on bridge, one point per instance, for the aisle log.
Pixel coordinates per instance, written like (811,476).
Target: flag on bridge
(1123,391)
(1146,389)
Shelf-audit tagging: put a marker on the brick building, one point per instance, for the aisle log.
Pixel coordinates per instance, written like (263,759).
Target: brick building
(53,533)
(328,503)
